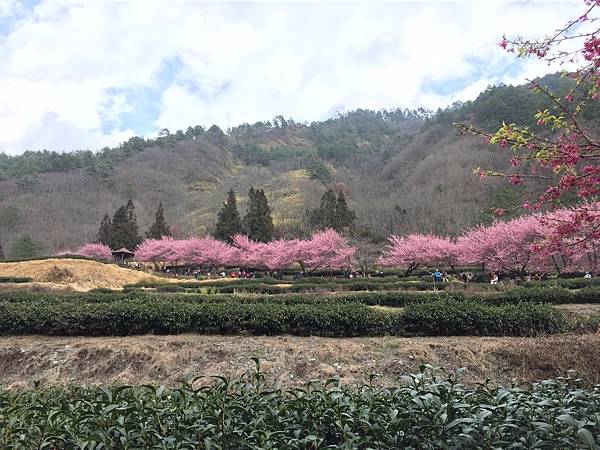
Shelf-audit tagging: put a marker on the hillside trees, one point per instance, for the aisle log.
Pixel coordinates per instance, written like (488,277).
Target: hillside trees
(159,227)
(228,220)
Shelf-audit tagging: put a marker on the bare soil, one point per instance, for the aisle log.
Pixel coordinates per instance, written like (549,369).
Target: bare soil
(290,361)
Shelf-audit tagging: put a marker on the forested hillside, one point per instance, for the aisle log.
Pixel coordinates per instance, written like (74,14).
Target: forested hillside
(400,170)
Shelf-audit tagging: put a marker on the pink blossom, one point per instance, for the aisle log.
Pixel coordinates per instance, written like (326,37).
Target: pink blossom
(96,251)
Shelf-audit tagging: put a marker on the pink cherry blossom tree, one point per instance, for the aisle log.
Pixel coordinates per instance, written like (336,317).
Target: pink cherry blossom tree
(327,249)
(417,250)
(206,251)
(96,251)
(505,246)
(570,242)
(565,152)
(158,250)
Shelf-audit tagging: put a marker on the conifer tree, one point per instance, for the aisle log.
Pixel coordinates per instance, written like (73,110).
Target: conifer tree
(332,212)
(105,232)
(26,248)
(229,222)
(258,223)
(119,236)
(159,228)
(325,215)
(124,230)
(344,217)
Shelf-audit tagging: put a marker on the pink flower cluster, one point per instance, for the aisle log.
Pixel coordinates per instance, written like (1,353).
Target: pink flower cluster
(96,251)
(566,239)
(325,250)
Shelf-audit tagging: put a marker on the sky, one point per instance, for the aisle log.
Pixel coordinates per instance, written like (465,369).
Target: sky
(85,75)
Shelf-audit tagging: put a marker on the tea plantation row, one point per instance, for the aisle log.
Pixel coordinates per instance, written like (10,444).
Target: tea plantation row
(554,295)
(425,412)
(315,284)
(108,314)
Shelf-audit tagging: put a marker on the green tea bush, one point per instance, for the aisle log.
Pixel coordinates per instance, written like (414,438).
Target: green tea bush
(455,318)
(555,295)
(568,283)
(427,411)
(99,314)
(162,315)
(15,280)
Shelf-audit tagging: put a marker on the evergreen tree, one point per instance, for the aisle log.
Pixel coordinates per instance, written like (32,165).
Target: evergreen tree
(344,217)
(1,252)
(119,236)
(229,222)
(124,230)
(332,212)
(133,227)
(26,248)
(105,232)
(159,228)
(258,223)
(325,215)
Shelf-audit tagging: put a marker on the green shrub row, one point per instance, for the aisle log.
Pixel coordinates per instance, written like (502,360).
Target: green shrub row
(427,411)
(107,314)
(15,279)
(266,288)
(552,295)
(455,318)
(568,283)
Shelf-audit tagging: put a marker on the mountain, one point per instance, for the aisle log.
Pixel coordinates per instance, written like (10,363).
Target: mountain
(402,171)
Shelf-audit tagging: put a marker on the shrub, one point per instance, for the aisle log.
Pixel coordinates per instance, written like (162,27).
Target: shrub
(99,314)
(428,410)
(455,318)
(15,280)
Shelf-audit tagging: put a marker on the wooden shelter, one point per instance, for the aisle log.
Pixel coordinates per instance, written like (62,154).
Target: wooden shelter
(122,254)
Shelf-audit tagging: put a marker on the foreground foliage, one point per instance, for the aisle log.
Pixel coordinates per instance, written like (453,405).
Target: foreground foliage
(426,410)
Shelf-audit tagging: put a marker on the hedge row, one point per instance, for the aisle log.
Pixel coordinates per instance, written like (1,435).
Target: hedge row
(275,286)
(569,283)
(70,315)
(15,280)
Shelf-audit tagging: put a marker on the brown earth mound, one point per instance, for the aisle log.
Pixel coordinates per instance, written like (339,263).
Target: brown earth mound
(74,274)
(289,360)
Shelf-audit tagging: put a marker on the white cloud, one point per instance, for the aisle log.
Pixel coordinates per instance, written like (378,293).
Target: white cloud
(66,64)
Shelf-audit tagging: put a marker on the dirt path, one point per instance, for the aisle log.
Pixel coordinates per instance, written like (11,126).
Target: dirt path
(290,360)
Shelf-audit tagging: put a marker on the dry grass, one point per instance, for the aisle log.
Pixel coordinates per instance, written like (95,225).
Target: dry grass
(73,274)
(577,310)
(290,360)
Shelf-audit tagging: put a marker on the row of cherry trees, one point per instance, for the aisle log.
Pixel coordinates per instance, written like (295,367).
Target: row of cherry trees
(533,243)
(325,250)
